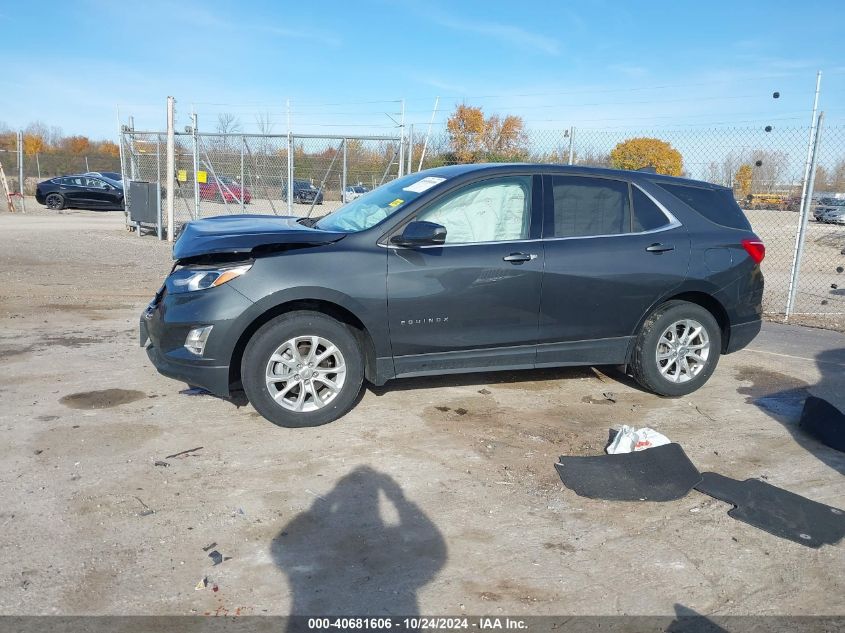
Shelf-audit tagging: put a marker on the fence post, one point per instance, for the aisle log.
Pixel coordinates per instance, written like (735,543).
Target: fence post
(121,139)
(159,233)
(38,165)
(20,170)
(170,167)
(410,148)
(289,195)
(571,141)
(196,150)
(243,184)
(802,222)
(343,176)
(402,143)
(133,159)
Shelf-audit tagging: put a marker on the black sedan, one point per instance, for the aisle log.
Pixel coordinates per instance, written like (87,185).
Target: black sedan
(80,192)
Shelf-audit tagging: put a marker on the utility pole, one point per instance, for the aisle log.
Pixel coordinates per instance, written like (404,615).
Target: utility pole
(170,167)
(571,140)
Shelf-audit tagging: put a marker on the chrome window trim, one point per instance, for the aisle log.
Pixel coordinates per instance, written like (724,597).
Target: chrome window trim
(396,246)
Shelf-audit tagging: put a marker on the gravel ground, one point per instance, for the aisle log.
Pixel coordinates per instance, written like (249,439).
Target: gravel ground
(432,496)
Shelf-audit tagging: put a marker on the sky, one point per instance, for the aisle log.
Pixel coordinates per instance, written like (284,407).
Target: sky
(347,66)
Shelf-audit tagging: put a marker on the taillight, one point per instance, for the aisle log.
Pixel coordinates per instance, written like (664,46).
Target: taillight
(755,248)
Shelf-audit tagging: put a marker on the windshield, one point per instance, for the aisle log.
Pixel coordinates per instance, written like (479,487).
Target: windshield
(378,204)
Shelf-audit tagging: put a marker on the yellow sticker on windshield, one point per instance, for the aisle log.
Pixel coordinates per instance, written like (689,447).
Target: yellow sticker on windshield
(396,202)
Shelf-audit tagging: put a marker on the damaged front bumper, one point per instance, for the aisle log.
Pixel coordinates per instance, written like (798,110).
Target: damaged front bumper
(167,320)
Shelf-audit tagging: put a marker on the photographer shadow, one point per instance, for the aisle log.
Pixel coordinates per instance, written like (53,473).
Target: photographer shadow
(363,549)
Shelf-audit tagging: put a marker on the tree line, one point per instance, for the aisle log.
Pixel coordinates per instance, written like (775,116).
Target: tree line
(49,152)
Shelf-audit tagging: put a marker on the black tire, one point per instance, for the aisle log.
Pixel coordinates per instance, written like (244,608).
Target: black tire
(275,333)
(646,369)
(54,201)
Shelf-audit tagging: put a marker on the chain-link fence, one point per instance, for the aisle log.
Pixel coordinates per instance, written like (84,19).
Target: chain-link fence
(235,173)
(251,173)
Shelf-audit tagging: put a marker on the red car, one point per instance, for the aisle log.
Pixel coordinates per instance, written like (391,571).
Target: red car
(226,190)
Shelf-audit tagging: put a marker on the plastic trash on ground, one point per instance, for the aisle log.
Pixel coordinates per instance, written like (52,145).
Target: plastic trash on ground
(628,439)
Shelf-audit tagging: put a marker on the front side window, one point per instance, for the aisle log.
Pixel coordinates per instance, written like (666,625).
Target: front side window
(496,210)
(586,206)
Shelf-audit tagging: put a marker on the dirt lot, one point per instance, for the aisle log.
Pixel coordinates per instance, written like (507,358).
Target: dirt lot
(432,496)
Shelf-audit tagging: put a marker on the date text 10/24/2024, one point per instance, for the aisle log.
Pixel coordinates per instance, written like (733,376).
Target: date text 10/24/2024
(418,623)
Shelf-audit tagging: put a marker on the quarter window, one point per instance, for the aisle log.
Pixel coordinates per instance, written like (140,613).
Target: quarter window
(496,210)
(647,215)
(586,206)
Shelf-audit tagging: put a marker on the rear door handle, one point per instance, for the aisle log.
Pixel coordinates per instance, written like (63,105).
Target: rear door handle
(518,258)
(660,248)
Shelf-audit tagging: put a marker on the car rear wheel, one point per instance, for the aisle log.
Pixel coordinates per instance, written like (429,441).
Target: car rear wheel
(55,201)
(302,369)
(677,349)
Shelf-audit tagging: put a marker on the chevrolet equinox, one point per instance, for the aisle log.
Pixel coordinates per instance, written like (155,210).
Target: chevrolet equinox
(461,269)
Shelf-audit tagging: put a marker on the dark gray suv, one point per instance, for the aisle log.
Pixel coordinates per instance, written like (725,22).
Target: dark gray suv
(460,269)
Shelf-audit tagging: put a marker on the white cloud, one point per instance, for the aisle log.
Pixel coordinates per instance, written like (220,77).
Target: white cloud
(509,34)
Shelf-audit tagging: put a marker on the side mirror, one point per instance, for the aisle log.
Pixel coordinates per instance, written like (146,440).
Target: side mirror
(420,234)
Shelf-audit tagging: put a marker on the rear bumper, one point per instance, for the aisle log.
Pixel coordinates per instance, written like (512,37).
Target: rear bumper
(742,334)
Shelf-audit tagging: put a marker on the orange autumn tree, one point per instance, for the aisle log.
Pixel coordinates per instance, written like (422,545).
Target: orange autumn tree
(474,138)
(742,181)
(636,153)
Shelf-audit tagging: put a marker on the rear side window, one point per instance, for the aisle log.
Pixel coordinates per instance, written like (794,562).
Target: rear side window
(647,215)
(717,205)
(590,206)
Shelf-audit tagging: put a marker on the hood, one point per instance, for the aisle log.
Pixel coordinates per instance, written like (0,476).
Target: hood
(243,233)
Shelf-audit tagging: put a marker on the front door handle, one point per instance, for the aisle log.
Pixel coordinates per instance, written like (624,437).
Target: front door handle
(518,258)
(660,248)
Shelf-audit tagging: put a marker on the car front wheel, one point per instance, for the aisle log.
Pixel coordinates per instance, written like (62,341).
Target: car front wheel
(677,349)
(302,369)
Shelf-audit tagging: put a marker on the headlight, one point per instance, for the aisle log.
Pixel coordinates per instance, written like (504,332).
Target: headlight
(191,278)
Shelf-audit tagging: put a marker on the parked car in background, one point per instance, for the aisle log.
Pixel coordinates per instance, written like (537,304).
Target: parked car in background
(224,189)
(80,192)
(828,207)
(461,269)
(353,192)
(303,192)
(111,175)
(834,216)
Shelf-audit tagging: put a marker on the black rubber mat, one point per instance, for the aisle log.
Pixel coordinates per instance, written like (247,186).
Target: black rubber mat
(662,473)
(824,422)
(776,510)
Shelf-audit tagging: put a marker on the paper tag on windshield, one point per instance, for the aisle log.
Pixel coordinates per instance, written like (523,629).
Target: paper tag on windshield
(424,184)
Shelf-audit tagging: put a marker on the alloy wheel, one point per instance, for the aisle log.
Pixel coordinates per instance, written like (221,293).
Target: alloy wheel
(682,350)
(305,373)
(54,201)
